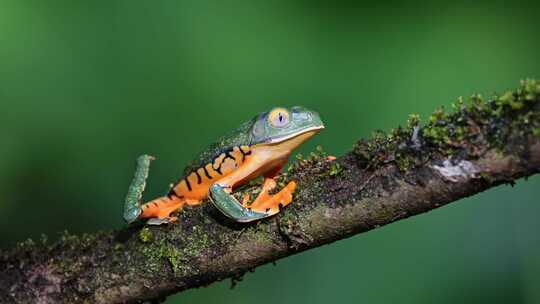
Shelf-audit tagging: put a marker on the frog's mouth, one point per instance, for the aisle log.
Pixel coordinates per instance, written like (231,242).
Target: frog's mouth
(308,131)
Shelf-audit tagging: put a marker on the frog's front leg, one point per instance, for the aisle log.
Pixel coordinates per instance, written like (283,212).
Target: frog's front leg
(271,203)
(264,206)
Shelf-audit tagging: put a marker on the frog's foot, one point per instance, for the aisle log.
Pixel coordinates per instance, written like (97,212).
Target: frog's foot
(160,221)
(159,210)
(271,203)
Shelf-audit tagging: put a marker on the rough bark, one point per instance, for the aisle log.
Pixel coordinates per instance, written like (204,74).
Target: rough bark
(387,178)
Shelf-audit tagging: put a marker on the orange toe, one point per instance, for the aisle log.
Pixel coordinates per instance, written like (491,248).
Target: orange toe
(271,203)
(245,200)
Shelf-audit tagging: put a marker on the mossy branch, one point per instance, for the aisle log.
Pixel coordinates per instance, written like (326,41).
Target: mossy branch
(389,177)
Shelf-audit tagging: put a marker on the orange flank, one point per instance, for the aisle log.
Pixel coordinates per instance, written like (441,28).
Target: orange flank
(195,185)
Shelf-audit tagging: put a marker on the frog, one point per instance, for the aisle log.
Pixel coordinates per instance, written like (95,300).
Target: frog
(259,147)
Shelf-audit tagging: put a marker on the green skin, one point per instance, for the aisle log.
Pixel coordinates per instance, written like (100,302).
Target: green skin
(255,131)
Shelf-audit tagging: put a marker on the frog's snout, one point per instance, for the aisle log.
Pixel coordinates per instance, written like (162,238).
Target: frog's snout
(316,120)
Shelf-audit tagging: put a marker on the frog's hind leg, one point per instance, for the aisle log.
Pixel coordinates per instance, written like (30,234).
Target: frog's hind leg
(159,210)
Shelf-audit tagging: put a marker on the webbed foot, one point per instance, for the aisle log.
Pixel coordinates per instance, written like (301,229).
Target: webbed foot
(161,221)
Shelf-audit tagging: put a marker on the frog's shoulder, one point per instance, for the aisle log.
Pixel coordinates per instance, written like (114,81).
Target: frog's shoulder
(238,137)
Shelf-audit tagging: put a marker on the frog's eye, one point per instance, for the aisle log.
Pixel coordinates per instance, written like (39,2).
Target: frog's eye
(279,117)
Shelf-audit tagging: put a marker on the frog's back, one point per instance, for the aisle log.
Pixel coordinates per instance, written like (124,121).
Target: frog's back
(241,136)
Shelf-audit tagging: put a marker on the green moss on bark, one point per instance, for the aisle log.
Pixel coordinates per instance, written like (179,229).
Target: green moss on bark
(459,133)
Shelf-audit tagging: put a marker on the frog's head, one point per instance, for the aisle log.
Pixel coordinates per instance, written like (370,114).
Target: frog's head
(281,124)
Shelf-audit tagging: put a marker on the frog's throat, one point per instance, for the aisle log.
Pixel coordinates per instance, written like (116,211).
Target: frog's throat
(309,131)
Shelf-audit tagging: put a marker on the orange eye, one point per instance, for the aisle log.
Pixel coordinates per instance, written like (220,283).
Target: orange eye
(279,117)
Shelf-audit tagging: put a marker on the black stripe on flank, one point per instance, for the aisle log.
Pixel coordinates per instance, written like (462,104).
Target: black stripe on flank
(172,193)
(218,169)
(206,173)
(187,183)
(244,153)
(228,155)
(199,179)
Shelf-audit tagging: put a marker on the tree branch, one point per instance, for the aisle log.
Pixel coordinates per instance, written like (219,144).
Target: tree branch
(390,177)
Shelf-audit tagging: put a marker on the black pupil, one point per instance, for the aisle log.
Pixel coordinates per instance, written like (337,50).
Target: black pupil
(280,118)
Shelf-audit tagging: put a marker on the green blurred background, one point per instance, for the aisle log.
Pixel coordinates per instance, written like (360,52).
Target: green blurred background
(87,86)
